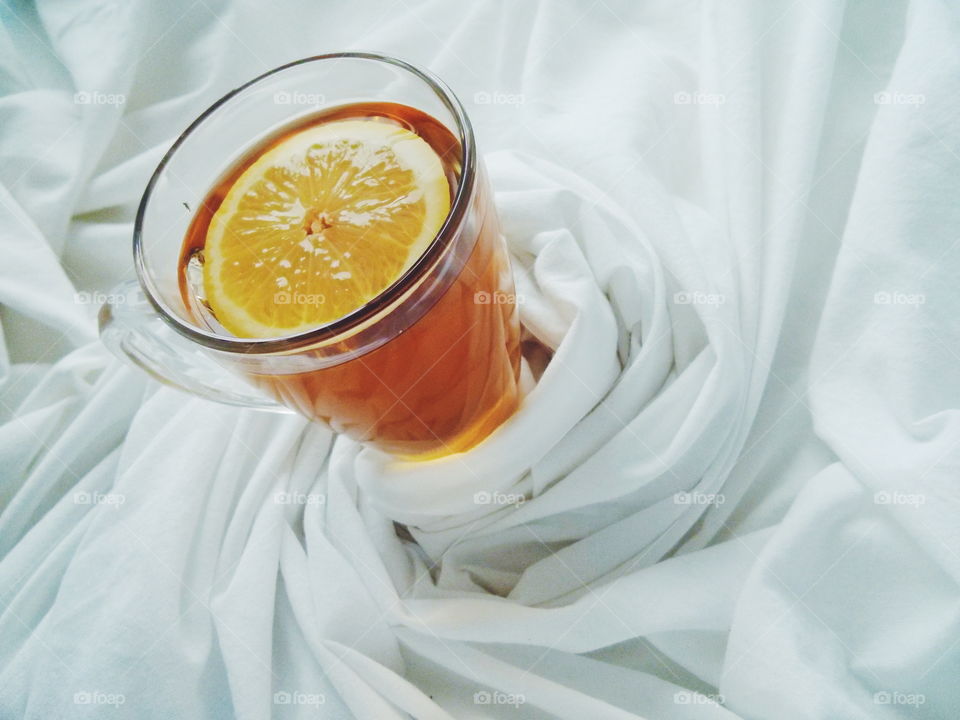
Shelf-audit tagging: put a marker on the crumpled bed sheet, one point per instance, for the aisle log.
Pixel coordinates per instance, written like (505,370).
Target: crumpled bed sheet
(731,492)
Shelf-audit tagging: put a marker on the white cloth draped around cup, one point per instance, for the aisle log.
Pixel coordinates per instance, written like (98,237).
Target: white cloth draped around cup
(732,492)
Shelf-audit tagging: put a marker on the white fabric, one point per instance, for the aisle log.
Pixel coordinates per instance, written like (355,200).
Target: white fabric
(732,492)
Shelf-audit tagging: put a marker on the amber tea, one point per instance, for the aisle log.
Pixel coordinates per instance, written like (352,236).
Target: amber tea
(334,217)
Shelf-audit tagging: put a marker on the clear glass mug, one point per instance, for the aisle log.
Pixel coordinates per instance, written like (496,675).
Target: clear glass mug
(427,368)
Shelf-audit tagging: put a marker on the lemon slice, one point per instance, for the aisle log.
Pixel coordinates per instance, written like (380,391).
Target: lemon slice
(320,224)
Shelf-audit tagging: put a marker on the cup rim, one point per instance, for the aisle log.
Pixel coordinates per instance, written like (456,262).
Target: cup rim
(355,319)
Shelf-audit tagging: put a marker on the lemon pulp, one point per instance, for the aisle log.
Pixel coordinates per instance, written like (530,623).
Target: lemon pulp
(320,224)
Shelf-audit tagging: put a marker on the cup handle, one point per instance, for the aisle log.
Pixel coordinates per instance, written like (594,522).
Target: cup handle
(132,330)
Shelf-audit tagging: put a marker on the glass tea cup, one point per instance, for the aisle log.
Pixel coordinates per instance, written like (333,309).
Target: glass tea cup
(426,368)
